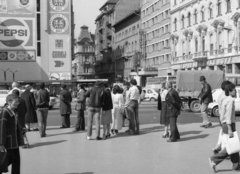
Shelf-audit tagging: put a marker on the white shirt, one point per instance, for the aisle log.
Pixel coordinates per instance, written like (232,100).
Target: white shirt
(164,94)
(228,110)
(20,91)
(134,93)
(117,100)
(220,99)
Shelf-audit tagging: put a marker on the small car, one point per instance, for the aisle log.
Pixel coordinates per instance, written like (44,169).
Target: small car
(149,94)
(213,107)
(54,102)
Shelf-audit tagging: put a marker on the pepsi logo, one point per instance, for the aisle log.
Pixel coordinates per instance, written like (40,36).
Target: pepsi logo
(58,5)
(14,33)
(58,23)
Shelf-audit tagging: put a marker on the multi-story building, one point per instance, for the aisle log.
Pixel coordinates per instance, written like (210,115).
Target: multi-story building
(205,35)
(126,43)
(156,24)
(83,64)
(103,42)
(39,47)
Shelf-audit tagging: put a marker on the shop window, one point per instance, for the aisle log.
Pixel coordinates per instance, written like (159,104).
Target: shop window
(229,68)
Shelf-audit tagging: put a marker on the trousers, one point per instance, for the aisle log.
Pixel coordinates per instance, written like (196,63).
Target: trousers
(93,112)
(80,125)
(42,115)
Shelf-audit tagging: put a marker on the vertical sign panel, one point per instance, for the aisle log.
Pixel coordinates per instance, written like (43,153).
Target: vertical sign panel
(59,29)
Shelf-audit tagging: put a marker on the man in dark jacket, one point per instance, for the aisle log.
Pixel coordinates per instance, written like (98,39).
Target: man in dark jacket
(95,95)
(31,115)
(205,98)
(65,106)
(42,108)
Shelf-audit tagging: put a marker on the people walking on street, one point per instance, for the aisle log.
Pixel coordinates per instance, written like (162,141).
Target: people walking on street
(42,108)
(95,95)
(228,120)
(107,107)
(118,104)
(220,99)
(205,98)
(31,115)
(21,111)
(174,105)
(16,85)
(80,108)
(65,106)
(10,133)
(134,95)
(164,120)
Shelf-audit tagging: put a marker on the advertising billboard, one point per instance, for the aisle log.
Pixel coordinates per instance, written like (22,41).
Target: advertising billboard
(17,8)
(59,6)
(59,23)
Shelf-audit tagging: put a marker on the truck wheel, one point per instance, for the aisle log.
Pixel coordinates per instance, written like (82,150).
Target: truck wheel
(215,112)
(195,106)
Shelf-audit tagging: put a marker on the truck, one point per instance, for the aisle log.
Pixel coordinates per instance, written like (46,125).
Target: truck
(189,87)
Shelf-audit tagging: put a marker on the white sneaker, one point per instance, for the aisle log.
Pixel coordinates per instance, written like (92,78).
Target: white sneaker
(212,165)
(89,138)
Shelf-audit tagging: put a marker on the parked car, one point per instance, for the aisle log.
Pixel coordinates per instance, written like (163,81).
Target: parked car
(213,107)
(149,94)
(3,95)
(54,102)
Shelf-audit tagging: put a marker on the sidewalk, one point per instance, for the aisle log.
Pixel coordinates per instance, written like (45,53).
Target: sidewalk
(64,152)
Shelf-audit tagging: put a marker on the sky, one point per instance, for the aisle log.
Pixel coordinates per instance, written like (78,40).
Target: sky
(86,11)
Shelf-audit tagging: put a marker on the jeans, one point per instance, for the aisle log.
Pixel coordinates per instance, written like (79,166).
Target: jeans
(134,119)
(93,112)
(80,125)
(204,107)
(42,120)
(219,157)
(14,159)
(66,120)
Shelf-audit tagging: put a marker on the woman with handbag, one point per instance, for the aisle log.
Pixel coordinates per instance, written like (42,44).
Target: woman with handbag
(80,107)
(228,120)
(10,133)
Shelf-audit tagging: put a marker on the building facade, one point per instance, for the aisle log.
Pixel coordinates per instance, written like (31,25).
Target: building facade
(84,63)
(39,47)
(205,35)
(156,24)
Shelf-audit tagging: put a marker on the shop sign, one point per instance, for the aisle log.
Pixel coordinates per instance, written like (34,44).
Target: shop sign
(189,65)
(150,69)
(60,76)
(26,56)
(222,61)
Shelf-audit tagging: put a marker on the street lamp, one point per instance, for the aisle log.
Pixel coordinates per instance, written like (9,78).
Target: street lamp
(13,73)
(5,75)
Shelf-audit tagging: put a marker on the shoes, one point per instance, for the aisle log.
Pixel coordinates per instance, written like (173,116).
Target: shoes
(171,140)
(26,146)
(131,132)
(166,135)
(35,129)
(208,125)
(98,138)
(127,131)
(29,130)
(108,135)
(104,137)
(215,150)
(212,165)
(116,131)
(74,130)
(202,125)
(63,127)
(112,131)
(88,138)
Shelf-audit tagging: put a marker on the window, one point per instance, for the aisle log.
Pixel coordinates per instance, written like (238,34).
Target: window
(175,2)
(202,13)
(219,6)
(175,24)
(210,11)
(189,19)
(196,45)
(195,16)
(183,18)
(228,6)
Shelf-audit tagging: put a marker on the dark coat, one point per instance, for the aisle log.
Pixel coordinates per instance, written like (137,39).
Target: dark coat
(81,100)
(31,115)
(174,103)
(21,112)
(206,94)
(42,99)
(10,131)
(95,97)
(65,102)
(159,102)
(107,100)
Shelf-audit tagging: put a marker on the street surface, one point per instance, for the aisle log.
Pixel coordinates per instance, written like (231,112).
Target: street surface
(64,152)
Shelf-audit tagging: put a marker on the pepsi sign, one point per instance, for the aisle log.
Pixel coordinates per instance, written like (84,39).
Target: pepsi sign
(16,33)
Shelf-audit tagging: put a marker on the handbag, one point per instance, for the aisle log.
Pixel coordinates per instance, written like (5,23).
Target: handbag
(232,144)
(3,162)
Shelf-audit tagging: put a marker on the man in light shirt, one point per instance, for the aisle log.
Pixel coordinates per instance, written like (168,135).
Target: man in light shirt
(228,121)
(134,96)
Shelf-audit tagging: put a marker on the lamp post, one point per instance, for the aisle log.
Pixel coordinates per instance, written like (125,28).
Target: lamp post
(13,73)
(5,74)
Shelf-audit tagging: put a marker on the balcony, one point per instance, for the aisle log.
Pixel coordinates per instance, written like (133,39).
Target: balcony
(199,56)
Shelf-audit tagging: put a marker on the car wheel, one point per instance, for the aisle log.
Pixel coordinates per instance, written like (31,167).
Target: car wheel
(215,112)
(195,106)
(152,100)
